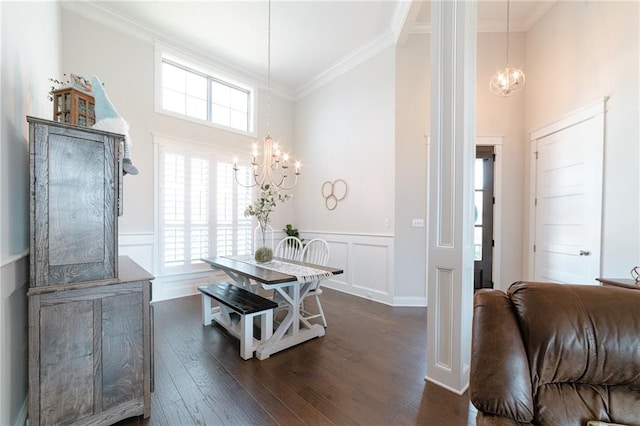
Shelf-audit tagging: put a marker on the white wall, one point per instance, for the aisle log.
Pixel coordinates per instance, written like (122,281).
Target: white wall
(579,52)
(412,127)
(29,58)
(124,61)
(346,130)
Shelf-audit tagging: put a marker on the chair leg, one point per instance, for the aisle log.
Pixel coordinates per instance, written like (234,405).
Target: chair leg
(324,320)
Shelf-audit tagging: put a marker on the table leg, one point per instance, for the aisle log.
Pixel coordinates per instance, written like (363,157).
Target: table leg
(266,326)
(288,333)
(241,281)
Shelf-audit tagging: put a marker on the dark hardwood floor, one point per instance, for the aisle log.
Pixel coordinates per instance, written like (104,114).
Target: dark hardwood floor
(368,369)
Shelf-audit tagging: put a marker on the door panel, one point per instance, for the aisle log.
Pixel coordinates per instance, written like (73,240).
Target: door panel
(568,203)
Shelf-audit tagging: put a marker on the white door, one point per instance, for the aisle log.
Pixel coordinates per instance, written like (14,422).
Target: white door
(568,198)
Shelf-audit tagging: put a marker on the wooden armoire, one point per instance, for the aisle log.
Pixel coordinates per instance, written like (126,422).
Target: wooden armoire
(90,319)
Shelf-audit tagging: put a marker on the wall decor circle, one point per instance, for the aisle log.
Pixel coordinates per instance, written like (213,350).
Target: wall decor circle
(333,192)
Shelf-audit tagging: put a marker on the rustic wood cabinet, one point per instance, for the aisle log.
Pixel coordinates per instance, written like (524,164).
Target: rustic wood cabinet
(90,317)
(75,181)
(90,350)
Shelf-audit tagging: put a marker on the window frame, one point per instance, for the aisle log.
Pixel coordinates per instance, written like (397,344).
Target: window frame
(211,72)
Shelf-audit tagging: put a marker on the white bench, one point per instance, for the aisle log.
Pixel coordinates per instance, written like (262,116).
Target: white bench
(247,305)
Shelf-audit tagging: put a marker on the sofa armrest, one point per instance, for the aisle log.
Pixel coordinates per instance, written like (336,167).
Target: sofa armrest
(500,382)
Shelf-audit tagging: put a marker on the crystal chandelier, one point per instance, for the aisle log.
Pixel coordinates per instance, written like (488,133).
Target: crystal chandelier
(507,80)
(273,168)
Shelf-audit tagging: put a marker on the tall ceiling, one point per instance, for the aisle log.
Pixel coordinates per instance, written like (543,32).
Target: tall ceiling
(310,39)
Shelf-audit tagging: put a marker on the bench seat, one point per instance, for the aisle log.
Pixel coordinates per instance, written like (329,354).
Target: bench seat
(247,305)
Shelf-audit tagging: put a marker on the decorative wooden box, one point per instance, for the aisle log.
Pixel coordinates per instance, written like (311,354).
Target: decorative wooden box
(75,181)
(74,107)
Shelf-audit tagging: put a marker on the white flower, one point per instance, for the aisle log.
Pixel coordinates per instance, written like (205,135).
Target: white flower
(262,207)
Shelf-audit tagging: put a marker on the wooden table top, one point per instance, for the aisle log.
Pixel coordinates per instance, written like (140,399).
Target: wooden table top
(260,274)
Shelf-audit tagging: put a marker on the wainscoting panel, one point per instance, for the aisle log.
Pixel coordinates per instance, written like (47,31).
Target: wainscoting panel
(181,285)
(444,311)
(367,261)
(140,248)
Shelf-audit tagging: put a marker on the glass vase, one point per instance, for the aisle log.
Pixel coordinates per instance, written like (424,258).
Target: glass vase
(263,244)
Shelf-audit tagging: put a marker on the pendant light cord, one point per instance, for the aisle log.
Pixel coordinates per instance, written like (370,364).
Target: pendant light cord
(507,33)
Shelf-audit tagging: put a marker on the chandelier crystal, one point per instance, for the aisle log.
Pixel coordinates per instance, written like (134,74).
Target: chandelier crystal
(508,80)
(273,168)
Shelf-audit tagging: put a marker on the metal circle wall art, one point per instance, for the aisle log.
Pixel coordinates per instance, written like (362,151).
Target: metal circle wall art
(333,192)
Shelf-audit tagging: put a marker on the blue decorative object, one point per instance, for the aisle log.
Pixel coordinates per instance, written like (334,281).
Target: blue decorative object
(108,118)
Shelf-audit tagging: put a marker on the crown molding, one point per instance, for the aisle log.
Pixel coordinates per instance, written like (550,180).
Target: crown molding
(543,7)
(99,14)
(399,19)
(355,58)
(102,15)
(499,25)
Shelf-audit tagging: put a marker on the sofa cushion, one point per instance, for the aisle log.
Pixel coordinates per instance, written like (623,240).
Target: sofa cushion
(582,334)
(583,348)
(574,403)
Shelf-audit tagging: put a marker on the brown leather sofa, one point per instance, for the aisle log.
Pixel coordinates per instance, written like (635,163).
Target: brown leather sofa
(556,354)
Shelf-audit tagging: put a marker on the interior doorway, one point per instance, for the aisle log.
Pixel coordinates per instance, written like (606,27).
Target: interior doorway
(483,238)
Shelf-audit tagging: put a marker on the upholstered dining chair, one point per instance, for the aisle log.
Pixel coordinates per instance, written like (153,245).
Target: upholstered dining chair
(289,248)
(315,251)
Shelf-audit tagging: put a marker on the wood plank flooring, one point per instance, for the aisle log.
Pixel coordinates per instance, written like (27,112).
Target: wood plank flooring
(368,369)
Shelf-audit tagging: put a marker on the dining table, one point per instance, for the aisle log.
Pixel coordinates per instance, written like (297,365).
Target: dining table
(290,280)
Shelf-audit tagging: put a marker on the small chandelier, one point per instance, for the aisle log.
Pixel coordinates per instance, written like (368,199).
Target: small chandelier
(507,80)
(273,169)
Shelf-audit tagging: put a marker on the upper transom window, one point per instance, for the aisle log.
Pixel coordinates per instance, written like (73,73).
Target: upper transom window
(195,94)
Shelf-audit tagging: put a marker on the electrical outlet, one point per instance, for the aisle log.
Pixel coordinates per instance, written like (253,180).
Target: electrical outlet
(417,223)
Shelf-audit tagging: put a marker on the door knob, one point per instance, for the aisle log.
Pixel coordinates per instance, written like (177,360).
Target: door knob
(585,252)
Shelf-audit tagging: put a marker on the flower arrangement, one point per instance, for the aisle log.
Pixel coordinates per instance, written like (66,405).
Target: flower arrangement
(261,208)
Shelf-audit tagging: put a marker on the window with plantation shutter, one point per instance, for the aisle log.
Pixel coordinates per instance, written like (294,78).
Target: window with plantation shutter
(201,208)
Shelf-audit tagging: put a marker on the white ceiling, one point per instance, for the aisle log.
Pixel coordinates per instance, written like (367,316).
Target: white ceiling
(309,39)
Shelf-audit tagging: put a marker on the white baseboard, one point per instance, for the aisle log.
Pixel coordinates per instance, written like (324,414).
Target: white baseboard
(410,301)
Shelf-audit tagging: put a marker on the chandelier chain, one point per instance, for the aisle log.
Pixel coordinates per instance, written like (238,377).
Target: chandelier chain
(269,72)
(274,168)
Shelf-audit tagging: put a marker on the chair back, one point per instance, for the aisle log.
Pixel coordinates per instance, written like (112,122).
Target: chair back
(289,248)
(316,251)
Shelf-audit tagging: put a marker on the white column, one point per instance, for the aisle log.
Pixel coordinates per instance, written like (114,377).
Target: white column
(450,259)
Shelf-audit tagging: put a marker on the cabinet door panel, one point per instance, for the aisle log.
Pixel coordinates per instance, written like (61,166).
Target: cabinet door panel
(76,201)
(122,349)
(66,362)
